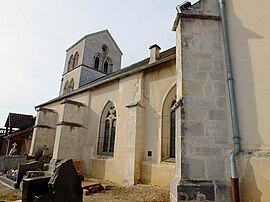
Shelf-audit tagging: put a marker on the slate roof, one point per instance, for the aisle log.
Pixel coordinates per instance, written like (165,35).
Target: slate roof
(21,121)
(165,56)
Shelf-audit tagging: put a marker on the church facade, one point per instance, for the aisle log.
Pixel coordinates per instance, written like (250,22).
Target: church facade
(116,121)
(194,116)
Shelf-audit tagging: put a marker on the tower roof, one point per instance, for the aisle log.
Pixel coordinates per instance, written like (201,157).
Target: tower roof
(97,33)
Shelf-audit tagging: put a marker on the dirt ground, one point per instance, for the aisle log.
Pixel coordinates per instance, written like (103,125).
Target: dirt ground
(113,193)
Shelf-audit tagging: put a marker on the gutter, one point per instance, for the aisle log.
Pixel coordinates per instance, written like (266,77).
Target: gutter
(230,82)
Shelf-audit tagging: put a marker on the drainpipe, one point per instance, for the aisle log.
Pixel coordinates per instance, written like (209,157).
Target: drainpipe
(236,139)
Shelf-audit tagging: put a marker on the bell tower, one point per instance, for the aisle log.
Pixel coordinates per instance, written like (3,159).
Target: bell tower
(92,57)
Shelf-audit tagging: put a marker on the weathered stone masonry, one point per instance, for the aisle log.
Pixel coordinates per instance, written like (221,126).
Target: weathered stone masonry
(202,134)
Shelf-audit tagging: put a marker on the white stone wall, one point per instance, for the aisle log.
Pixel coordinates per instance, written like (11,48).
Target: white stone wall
(44,131)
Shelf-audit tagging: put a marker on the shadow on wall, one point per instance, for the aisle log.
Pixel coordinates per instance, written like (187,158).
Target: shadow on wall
(244,78)
(248,185)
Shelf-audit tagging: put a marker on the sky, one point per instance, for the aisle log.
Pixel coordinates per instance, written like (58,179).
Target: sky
(35,34)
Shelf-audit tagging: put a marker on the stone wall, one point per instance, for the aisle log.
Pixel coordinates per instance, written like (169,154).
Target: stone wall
(202,126)
(44,131)
(71,128)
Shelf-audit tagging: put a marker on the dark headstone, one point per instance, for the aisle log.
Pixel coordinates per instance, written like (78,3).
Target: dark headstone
(23,168)
(33,187)
(65,184)
(11,162)
(18,175)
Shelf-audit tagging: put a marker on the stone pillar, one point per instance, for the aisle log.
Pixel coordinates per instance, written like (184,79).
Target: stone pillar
(134,137)
(134,144)
(70,130)
(202,130)
(44,131)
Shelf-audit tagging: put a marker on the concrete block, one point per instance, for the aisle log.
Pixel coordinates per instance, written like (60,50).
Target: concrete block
(218,115)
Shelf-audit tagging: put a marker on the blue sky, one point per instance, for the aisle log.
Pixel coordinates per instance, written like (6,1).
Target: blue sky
(34,35)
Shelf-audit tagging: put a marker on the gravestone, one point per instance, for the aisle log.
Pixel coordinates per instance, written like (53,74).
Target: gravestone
(36,186)
(65,184)
(22,169)
(11,162)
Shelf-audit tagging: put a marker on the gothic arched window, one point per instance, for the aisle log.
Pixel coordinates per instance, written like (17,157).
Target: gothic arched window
(105,67)
(71,85)
(66,87)
(107,130)
(70,63)
(76,60)
(168,127)
(96,63)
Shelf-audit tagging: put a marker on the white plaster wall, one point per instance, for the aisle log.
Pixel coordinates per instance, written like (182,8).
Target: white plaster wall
(249,33)
(158,82)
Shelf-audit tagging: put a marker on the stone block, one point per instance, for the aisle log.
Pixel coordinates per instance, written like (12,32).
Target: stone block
(195,168)
(198,113)
(215,169)
(195,128)
(207,89)
(206,101)
(219,89)
(191,190)
(217,115)
(216,130)
(199,76)
(192,88)
(221,102)
(217,76)
(208,151)
(205,65)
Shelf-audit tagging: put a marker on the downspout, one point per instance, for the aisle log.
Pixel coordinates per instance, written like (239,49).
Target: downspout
(236,139)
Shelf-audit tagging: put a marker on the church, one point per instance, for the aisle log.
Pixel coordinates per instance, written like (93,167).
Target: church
(119,122)
(194,117)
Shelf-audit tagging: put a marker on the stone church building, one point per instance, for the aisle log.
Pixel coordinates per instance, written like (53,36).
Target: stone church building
(194,117)
(117,121)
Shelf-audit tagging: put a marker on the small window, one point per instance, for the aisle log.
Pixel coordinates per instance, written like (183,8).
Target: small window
(105,68)
(66,87)
(71,85)
(96,63)
(107,130)
(70,63)
(76,60)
